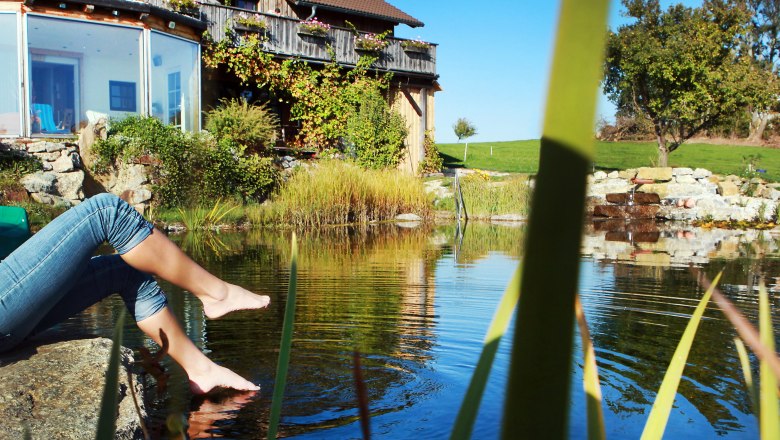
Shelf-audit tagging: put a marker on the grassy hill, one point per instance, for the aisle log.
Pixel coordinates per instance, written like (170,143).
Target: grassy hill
(523,157)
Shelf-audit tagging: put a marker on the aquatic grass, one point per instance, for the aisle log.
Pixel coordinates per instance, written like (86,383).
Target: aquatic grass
(596,429)
(106,427)
(769,422)
(337,193)
(537,403)
(464,422)
(747,374)
(285,345)
(662,406)
(201,217)
(485,196)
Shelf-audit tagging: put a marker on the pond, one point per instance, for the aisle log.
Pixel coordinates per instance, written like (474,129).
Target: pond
(416,303)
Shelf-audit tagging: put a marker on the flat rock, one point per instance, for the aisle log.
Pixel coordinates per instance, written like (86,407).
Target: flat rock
(38,182)
(55,390)
(659,174)
(640,198)
(635,211)
(408,217)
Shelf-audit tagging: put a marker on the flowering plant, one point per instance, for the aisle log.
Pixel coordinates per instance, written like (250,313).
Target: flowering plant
(314,27)
(415,44)
(182,5)
(251,20)
(370,42)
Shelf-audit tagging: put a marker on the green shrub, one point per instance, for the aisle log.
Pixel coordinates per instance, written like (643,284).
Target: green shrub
(253,126)
(376,133)
(227,172)
(433,161)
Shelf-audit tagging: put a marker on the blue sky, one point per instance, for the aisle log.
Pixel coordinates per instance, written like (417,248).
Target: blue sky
(493,61)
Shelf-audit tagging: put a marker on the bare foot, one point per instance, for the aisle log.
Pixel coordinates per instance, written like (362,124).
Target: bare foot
(236,298)
(217,376)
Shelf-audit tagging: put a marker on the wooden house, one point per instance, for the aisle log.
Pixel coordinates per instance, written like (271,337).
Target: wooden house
(77,59)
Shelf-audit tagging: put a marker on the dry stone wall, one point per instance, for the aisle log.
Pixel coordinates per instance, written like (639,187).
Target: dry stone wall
(691,194)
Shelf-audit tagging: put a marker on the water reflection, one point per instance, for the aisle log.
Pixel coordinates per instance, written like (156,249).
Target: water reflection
(416,304)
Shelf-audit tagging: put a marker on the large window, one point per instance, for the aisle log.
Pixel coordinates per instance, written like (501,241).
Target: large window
(74,68)
(175,81)
(10,116)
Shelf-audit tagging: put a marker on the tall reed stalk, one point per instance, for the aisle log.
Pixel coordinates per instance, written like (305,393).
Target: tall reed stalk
(538,388)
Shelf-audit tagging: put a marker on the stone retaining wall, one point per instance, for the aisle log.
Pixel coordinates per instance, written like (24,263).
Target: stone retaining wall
(63,181)
(692,194)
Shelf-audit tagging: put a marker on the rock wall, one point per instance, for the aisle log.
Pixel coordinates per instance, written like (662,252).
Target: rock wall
(65,179)
(692,194)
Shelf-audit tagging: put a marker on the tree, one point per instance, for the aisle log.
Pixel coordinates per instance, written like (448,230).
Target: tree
(682,68)
(763,41)
(464,129)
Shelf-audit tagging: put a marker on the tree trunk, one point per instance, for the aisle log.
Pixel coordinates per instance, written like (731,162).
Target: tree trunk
(758,123)
(663,149)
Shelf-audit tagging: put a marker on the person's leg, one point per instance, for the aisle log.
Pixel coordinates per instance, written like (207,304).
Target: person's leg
(42,270)
(108,274)
(159,256)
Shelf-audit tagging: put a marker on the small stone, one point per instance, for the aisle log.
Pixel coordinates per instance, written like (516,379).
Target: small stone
(686,178)
(48,157)
(599,175)
(728,188)
(701,173)
(613,175)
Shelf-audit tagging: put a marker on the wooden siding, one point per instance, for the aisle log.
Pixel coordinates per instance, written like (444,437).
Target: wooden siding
(284,41)
(419,119)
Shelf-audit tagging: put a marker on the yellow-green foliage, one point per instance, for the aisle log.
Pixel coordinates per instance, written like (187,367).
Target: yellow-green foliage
(485,197)
(336,192)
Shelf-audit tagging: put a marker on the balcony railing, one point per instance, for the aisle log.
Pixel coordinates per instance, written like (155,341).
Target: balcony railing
(284,41)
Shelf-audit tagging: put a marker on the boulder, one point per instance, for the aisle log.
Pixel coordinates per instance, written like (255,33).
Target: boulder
(38,182)
(682,172)
(701,173)
(64,164)
(55,390)
(728,188)
(70,185)
(658,174)
(48,199)
(131,177)
(45,146)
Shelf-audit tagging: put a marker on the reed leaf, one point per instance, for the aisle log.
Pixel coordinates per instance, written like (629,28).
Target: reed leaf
(537,404)
(596,429)
(108,405)
(747,373)
(659,414)
(467,414)
(769,421)
(284,349)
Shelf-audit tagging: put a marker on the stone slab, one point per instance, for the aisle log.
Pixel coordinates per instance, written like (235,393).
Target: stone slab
(640,198)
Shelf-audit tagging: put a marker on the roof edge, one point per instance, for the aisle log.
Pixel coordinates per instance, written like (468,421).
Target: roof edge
(411,23)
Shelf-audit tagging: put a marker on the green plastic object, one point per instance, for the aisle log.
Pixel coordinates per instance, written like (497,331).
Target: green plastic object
(14,229)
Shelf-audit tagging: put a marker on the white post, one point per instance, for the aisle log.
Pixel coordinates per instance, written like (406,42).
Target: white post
(465,153)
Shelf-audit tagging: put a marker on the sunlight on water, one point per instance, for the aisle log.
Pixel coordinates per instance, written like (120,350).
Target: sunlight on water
(416,305)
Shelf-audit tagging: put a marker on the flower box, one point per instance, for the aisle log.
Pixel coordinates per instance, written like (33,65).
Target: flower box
(415,46)
(313,28)
(249,23)
(248,28)
(415,49)
(369,43)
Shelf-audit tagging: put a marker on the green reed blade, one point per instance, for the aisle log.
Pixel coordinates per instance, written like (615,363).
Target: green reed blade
(537,404)
(284,349)
(659,414)
(596,429)
(108,405)
(768,419)
(464,423)
(745,362)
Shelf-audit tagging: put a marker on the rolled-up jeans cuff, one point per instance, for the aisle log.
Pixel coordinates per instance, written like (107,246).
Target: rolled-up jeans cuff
(144,229)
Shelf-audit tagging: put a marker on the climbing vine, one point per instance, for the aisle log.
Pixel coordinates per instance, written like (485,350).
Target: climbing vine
(321,98)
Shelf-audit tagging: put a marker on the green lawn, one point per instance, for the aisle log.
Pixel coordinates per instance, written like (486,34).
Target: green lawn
(523,157)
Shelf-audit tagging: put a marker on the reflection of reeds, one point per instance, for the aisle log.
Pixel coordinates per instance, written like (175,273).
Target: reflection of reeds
(338,193)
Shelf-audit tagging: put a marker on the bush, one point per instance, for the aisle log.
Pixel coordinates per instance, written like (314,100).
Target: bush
(376,133)
(17,164)
(252,126)
(228,172)
(433,161)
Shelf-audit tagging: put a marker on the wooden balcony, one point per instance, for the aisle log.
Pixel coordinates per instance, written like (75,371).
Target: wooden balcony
(285,42)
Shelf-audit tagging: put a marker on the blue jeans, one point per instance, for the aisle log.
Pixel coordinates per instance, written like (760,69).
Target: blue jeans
(54,275)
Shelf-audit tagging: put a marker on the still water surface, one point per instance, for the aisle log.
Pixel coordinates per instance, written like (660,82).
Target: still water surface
(416,304)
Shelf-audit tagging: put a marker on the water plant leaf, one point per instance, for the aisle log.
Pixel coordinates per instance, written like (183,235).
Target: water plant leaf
(284,349)
(744,329)
(537,404)
(108,405)
(662,407)
(362,396)
(747,373)
(464,422)
(769,421)
(596,429)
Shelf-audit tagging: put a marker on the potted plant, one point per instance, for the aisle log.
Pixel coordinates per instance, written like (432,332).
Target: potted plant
(415,46)
(186,7)
(249,23)
(370,43)
(313,28)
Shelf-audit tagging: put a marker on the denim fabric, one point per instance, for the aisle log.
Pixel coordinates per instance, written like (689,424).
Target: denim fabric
(53,274)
